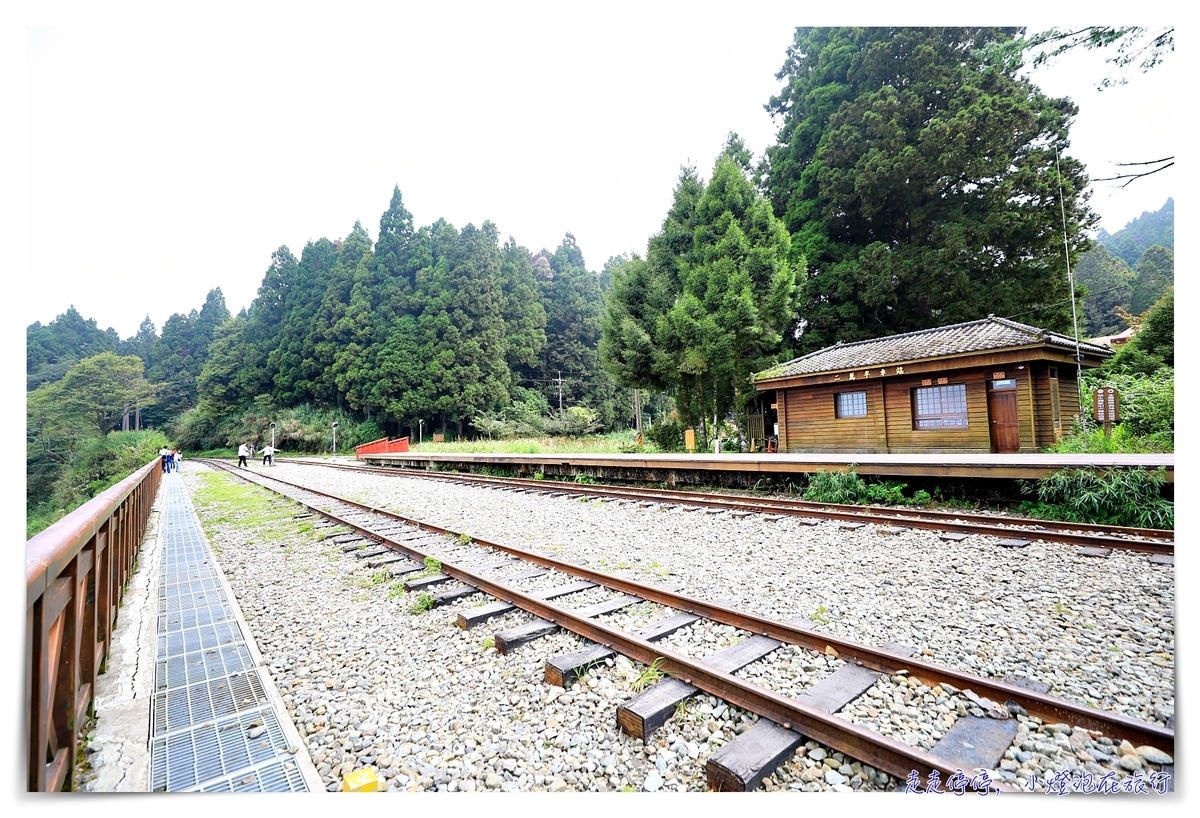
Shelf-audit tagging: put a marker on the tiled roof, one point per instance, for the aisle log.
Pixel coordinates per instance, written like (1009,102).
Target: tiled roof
(972,336)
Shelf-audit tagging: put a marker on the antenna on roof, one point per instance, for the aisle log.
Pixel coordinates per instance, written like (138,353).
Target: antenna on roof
(1071,281)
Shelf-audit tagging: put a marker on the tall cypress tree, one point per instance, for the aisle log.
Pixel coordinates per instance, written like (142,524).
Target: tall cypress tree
(916,172)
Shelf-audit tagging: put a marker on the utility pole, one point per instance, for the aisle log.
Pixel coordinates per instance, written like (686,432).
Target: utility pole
(559,381)
(637,411)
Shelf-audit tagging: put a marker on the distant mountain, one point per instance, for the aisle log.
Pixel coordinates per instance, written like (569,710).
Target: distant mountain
(1127,272)
(1141,234)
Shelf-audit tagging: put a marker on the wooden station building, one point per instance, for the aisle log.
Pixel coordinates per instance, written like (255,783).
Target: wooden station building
(992,385)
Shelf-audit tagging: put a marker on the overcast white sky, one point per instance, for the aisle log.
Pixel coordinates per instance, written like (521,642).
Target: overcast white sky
(168,159)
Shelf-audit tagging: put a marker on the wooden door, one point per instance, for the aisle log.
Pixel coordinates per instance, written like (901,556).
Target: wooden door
(1005,423)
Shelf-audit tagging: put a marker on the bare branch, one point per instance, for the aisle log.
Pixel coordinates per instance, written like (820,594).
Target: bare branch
(1151,162)
(1132,176)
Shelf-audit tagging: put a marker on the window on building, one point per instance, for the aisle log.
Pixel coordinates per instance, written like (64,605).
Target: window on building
(851,404)
(940,407)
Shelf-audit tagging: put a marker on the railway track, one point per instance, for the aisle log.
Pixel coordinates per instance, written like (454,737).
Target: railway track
(1018,530)
(403,545)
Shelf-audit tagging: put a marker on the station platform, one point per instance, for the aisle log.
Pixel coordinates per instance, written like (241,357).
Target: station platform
(186,703)
(747,468)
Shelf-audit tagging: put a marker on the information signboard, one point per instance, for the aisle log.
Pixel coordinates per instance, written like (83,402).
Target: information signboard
(1106,405)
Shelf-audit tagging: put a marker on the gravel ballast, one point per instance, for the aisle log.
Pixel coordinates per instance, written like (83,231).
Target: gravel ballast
(431,706)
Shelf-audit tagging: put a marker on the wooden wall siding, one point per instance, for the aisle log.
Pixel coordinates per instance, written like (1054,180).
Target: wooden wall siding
(1043,408)
(808,421)
(813,425)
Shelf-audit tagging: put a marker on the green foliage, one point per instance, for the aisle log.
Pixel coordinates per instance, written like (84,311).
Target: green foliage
(1155,274)
(911,167)
(1127,497)
(423,603)
(99,464)
(433,566)
(1144,232)
(1134,45)
(649,676)
(819,615)
(1153,347)
(529,415)
(713,302)
(667,434)
(303,429)
(573,303)
(835,487)
(847,488)
(1109,283)
(1147,414)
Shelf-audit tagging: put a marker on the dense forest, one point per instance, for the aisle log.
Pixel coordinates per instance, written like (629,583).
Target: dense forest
(1125,273)
(914,182)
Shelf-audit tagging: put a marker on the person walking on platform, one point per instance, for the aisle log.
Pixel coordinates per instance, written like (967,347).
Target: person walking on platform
(268,455)
(162,456)
(170,460)
(178,459)
(243,453)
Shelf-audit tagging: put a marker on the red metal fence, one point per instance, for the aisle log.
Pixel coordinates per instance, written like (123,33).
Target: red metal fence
(75,572)
(383,446)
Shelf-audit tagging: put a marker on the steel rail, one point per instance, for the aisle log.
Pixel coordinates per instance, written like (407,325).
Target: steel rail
(1044,706)
(884,753)
(1153,541)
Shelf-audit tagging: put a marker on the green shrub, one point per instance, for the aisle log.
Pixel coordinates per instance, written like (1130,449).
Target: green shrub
(666,434)
(1127,497)
(101,462)
(888,492)
(1147,415)
(835,487)
(847,488)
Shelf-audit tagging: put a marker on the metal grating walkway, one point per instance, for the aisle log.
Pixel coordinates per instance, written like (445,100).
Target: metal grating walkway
(213,726)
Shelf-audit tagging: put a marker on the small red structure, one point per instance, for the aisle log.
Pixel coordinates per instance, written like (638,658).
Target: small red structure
(382,446)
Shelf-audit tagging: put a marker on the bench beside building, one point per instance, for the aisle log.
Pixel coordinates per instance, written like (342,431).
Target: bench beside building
(992,385)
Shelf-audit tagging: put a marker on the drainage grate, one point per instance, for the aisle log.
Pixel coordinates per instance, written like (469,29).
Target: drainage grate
(212,725)
(182,707)
(275,776)
(214,634)
(203,665)
(217,749)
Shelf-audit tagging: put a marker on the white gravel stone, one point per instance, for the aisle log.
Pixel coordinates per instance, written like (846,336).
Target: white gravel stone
(433,706)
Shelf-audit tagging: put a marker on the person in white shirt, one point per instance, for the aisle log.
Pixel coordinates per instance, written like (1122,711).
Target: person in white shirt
(268,454)
(243,453)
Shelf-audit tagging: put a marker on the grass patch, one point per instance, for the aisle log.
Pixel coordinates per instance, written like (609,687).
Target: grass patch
(423,603)
(1126,497)
(649,676)
(819,615)
(226,499)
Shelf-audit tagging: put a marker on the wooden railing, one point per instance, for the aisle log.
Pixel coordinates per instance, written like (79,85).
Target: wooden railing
(383,446)
(75,573)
